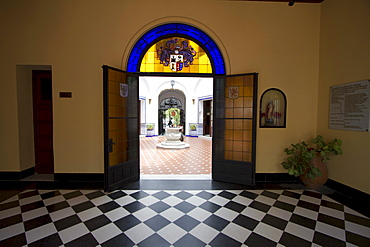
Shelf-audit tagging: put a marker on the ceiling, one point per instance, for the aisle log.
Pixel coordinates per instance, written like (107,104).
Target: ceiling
(287,1)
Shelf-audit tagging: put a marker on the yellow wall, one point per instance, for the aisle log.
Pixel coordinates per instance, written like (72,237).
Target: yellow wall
(76,37)
(344,58)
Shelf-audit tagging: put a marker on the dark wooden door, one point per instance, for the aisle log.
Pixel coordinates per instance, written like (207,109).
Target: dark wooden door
(43,121)
(121,128)
(234,129)
(207,117)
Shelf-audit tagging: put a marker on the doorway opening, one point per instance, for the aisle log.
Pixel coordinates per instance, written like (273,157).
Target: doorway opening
(188,96)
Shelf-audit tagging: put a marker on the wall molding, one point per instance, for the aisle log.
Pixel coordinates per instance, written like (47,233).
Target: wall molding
(79,177)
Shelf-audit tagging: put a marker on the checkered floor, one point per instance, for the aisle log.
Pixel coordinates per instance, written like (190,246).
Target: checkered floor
(179,218)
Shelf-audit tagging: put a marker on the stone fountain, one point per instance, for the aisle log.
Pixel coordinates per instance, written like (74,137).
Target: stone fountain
(172,141)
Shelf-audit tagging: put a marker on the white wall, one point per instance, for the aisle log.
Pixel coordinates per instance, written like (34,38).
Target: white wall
(193,88)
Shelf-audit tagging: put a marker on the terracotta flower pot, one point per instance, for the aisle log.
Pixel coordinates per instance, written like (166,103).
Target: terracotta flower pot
(316,183)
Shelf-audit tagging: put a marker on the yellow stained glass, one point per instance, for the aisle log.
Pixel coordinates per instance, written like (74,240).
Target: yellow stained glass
(176,55)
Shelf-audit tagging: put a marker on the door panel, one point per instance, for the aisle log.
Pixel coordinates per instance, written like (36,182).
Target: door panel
(234,129)
(121,128)
(43,121)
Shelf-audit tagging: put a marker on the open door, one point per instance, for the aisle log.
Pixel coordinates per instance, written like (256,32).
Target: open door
(234,129)
(121,128)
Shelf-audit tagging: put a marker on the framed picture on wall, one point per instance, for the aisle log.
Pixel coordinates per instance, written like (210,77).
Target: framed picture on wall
(273,109)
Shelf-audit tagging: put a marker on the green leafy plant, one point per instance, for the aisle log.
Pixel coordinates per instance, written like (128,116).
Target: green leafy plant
(193,127)
(150,126)
(300,155)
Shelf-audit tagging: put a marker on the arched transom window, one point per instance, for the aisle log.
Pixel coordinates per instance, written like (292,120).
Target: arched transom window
(176,54)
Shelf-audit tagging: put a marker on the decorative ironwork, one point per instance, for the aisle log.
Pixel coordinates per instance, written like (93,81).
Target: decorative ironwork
(171,102)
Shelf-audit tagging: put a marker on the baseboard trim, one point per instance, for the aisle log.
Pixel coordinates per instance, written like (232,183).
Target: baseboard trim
(17,175)
(79,177)
(275,178)
(351,197)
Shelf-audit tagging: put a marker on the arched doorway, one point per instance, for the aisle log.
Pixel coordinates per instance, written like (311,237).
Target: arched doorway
(171,99)
(234,103)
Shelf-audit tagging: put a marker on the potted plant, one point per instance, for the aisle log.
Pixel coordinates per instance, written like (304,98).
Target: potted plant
(150,129)
(308,162)
(193,130)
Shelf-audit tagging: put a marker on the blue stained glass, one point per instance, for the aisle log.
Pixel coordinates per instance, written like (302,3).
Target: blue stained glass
(174,29)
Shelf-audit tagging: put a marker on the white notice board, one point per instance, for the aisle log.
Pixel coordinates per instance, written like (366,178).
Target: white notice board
(350,106)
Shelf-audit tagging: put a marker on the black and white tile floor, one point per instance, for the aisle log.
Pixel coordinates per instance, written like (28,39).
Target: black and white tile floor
(168,217)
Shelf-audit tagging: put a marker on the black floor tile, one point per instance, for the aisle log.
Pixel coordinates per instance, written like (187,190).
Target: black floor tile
(157,222)
(10,221)
(161,195)
(18,240)
(210,207)
(73,194)
(37,222)
(127,222)
(249,194)
(52,240)
(332,205)
(189,240)
(8,205)
(257,240)
(290,240)
(331,220)
(159,207)
(260,206)
(97,222)
(85,240)
(139,195)
(120,240)
(356,239)
(95,194)
(117,194)
(183,195)
(134,206)
(32,206)
(270,194)
(205,195)
(154,241)
(227,195)
(216,222)
(106,207)
(308,205)
(275,221)
(57,206)
(184,207)
(356,219)
(221,240)
(28,194)
(186,222)
(328,241)
(237,207)
(67,222)
(303,221)
(50,194)
(285,206)
(246,222)
(83,206)
(291,194)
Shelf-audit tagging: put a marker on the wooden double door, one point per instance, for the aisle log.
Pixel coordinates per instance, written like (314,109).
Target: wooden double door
(234,128)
